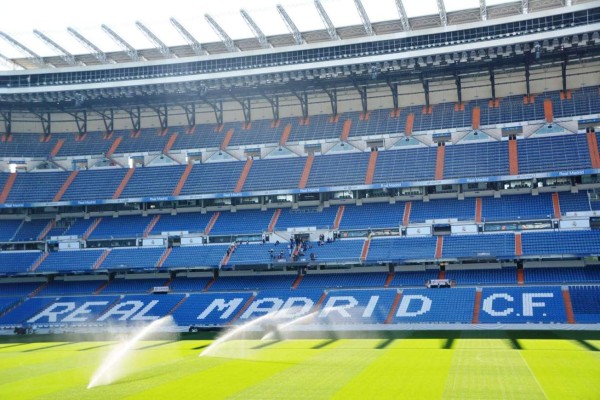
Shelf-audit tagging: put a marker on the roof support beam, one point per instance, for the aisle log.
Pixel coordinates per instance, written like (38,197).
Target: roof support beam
(394,90)
(403,16)
(136,118)
(364,18)
(362,91)
(258,33)
(64,54)
(303,98)
(246,108)
(108,117)
(194,44)
(563,66)
(333,35)
(23,49)
(7,117)
(442,10)
(81,121)
(160,45)
(218,110)
(493,82)
(425,84)
(274,102)
(162,112)
(333,99)
(227,41)
(95,50)
(290,25)
(46,121)
(131,52)
(190,113)
(483,10)
(525,6)
(527,75)
(458,82)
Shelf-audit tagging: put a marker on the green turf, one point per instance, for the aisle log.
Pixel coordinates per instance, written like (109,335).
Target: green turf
(450,367)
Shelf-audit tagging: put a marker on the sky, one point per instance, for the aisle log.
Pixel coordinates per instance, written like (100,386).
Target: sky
(19,18)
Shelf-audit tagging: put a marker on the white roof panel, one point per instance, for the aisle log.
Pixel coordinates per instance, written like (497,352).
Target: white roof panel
(418,8)
(381,10)
(342,12)
(457,5)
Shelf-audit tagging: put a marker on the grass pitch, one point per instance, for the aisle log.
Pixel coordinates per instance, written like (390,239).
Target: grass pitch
(455,366)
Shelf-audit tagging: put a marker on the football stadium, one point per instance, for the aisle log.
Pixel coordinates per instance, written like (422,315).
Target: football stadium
(315,199)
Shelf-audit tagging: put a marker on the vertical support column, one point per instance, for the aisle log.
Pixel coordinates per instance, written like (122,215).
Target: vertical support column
(338,217)
(548,112)
(123,183)
(478,209)
(518,245)
(513,157)
(395,305)
(170,143)
(306,171)
(56,148)
(439,163)
(8,186)
(593,149)
(212,222)
(114,146)
(439,245)
(568,305)
(476,118)
(65,186)
(243,175)
(476,306)
(371,167)
(227,139)
(183,179)
(274,219)
(346,130)
(410,122)
(556,205)
(285,135)
(365,249)
(406,215)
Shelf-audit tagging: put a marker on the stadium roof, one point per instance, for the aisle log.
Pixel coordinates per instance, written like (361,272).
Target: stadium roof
(59,35)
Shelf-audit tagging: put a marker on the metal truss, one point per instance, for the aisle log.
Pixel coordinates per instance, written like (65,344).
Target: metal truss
(364,17)
(227,41)
(160,45)
(483,10)
(403,17)
(194,44)
(274,102)
(64,54)
(23,49)
(290,25)
(258,33)
(130,50)
(95,50)
(442,11)
(333,35)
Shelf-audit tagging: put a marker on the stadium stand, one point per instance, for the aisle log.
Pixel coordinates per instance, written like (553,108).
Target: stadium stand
(347,215)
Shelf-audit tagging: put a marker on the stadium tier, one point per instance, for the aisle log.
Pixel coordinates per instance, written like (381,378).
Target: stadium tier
(491,305)
(391,167)
(510,109)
